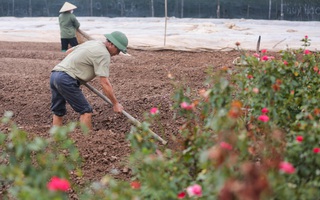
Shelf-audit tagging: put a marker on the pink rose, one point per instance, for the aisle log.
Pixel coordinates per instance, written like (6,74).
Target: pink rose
(307,52)
(271,57)
(316,150)
(264,110)
(154,111)
(256,55)
(263,118)
(255,90)
(57,184)
(194,190)
(225,145)
(286,167)
(135,185)
(249,76)
(265,58)
(285,62)
(299,138)
(263,50)
(186,106)
(181,195)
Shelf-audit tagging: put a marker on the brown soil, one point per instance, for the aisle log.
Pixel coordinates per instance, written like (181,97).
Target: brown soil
(140,82)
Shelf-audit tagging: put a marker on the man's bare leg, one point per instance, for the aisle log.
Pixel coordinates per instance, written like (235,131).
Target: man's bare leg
(86,120)
(56,120)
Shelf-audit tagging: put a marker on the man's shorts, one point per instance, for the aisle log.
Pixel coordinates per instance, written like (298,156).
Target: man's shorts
(64,89)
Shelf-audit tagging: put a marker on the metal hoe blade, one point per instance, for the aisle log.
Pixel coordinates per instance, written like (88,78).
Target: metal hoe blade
(132,119)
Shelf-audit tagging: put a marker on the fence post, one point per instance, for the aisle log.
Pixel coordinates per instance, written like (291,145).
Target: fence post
(270,9)
(30,8)
(165,15)
(152,8)
(91,9)
(182,8)
(281,8)
(12,7)
(218,9)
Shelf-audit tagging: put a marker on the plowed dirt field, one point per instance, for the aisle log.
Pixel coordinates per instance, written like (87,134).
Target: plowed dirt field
(140,82)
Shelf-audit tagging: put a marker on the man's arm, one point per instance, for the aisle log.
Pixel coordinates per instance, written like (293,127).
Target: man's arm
(108,90)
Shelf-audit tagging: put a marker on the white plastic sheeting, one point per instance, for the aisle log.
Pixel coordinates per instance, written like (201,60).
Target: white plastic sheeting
(181,34)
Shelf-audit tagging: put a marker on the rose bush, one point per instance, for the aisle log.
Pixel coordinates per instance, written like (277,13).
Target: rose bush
(36,168)
(239,135)
(251,133)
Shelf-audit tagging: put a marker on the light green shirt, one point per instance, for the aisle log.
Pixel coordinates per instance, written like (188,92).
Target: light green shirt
(86,61)
(68,25)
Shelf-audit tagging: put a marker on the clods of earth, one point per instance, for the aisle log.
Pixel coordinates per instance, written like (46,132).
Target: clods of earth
(141,80)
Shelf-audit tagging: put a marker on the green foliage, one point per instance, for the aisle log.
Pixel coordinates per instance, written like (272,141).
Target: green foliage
(109,188)
(253,135)
(288,87)
(225,145)
(27,163)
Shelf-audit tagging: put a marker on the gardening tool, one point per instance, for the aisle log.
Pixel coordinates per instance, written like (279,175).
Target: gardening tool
(82,36)
(132,119)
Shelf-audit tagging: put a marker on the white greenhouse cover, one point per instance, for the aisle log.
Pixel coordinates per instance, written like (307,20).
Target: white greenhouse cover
(174,33)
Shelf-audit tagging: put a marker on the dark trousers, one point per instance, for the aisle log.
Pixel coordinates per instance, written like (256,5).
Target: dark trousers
(66,41)
(64,89)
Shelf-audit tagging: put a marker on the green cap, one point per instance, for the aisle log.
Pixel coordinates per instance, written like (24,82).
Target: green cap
(119,39)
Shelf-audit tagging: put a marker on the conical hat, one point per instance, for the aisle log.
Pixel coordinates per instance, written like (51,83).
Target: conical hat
(67,7)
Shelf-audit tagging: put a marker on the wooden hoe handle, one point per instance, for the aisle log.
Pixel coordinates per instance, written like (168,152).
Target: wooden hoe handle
(132,119)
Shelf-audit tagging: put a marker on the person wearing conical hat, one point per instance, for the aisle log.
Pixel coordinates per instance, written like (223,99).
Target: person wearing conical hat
(68,26)
(82,64)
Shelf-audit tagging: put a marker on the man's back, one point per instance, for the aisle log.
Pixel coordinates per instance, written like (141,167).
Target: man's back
(86,61)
